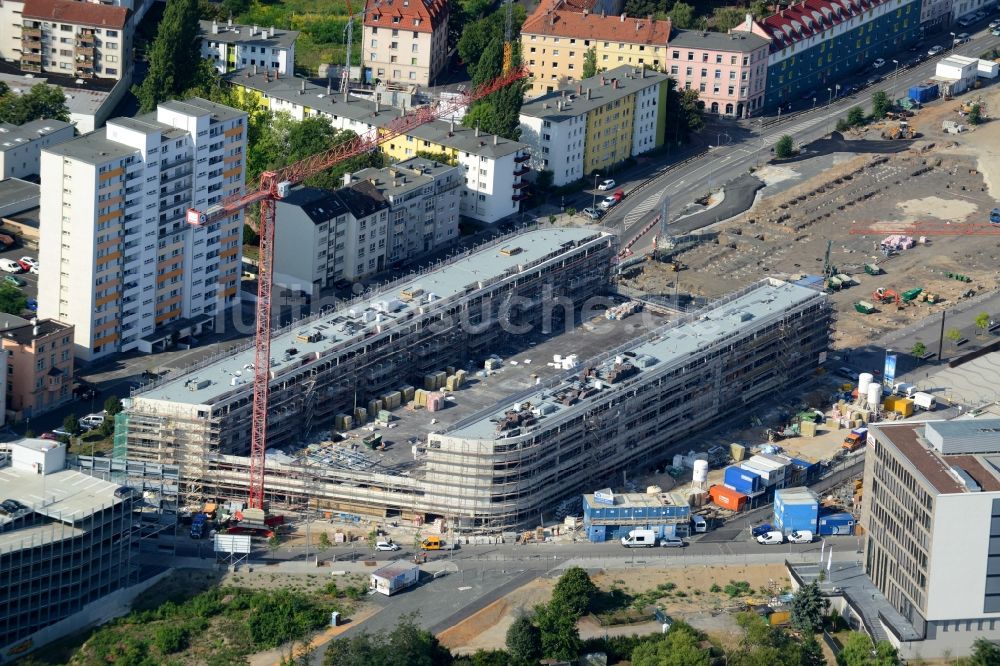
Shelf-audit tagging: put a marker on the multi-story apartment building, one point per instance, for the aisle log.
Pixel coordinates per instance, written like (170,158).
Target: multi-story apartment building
(69,543)
(816,42)
(75,39)
(556,38)
(935,12)
(336,362)
(931,513)
(232,47)
(40,365)
(729,71)
(964,8)
(125,267)
(603,120)
(495,168)
(405,41)
(21,145)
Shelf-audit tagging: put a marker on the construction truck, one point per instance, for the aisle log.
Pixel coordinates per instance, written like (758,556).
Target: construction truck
(198,524)
(900,130)
(873,269)
(864,307)
(855,439)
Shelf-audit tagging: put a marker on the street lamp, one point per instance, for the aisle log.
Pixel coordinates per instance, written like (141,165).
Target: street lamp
(814,101)
(829,101)
(894,75)
(952,40)
(596,176)
(711,169)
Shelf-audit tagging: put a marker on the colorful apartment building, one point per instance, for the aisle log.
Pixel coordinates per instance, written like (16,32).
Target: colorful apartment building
(556,38)
(124,265)
(600,122)
(816,42)
(231,47)
(729,71)
(39,365)
(495,168)
(405,41)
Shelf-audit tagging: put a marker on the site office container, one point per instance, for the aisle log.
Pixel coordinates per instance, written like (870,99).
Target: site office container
(796,509)
(727,498)
(836,523)
(743,480)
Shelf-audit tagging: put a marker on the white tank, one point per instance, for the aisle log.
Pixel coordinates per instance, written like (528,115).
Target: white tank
(678,460)
(865,380)
(653,490)
(874,395)
(700,472)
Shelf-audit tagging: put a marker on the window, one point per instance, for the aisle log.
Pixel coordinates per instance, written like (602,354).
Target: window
(718,73)
(704,72)
(718,58)
(673,70)
(676,55)
(690,55)
(374,43)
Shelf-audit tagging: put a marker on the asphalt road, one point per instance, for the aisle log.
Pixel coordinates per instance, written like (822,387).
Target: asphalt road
(738,145)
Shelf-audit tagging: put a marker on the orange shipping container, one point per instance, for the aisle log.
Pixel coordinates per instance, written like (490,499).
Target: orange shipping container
(727,498)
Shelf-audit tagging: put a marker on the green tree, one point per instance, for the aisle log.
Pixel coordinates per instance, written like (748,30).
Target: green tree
(273,544)
(112,405)
(174,56)
(975,115)
(250,237)
(784,148)
(679,647)
(478,35)
(590,62)
(406,645)
(444,158)
(498,113)
(570,212)
(682,15)
(855,116)
(524,641)
(575,590)
(953,335)
(982,322)
(557,625)
(543,180)
(726,18)
(760,8)
(808,608)
(42,101)
(170,638)
(372,538)
(811,652)
(881,104)
(71,425)
(858,651)
(12,300)
(918,349)
(324,540)
(984,653)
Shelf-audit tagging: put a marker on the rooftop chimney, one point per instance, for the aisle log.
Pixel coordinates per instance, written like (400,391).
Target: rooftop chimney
(229,23)
(302,89)
(451,125)
(254,70)
(329,87)
(579,89)
(254,32)
(347,179)
(271,34)
(588,93)
(215,27)
(477,128)
(496,140)
(377,105)
(622,17)
(749,21)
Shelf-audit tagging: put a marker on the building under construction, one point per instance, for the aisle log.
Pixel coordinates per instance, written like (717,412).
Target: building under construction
(352,363)
(503,466)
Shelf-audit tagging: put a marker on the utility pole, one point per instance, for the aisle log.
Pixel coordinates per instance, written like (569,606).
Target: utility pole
(941,339)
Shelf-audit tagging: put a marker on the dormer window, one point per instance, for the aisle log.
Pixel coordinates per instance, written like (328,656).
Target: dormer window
(395,19)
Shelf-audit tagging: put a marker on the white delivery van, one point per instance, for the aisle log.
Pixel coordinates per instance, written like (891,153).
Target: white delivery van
(699,523)
(639,539)
(924,400)
(904,389)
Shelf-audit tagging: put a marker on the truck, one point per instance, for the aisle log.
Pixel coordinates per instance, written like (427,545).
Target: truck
(198,523)
(864,307)
(855,439)
(904,389)
(394,577)
(435,543)
(873,269)
(639,539)
(924,400)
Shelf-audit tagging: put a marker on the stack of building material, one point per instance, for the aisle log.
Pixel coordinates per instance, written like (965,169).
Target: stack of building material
(373,408)
(420,397)
(392,400)
(360,416)
(407,392)
(435,402)
(343,422)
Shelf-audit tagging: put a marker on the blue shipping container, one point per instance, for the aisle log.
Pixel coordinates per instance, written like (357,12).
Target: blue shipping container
(837,523)
(923,93)
(743,480)
(796,509)
(809,470)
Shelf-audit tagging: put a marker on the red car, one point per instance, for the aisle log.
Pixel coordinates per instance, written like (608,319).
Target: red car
(48,435)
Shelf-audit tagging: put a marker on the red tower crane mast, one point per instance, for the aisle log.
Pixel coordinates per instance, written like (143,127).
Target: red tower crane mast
(275,185)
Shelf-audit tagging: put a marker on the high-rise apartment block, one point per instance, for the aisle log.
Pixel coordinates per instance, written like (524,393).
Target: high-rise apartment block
(76,39)
(133,274)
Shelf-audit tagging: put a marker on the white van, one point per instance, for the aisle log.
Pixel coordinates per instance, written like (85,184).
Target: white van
(639,539)
(924,400)
(10,266)
(699,523)
(904,389)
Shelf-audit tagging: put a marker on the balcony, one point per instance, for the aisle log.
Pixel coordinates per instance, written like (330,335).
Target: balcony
(520,197)
(83,53)
(522,158)
(522,171)
(31,33)
(520,185)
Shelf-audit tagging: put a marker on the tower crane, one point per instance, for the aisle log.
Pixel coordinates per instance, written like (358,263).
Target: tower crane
(345,76)
(275,185)
(508,36)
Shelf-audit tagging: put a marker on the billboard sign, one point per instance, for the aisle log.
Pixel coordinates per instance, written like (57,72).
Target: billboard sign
(889,372)
(232,543)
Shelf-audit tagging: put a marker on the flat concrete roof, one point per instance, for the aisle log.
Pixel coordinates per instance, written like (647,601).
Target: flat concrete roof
(604,88)
(240,34)
(18,195)
(638,501)
(94,148)
(37,536)
(665,346)
(738,41)
(346,325)
(64,496)
(14,136)
(82,101)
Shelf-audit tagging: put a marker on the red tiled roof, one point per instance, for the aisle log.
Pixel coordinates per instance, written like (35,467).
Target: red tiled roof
(414,15)
(553,20)
(80,13)
(811,17)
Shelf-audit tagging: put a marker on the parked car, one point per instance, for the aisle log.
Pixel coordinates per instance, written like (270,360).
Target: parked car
(386,545)
(993,24)
(965,22)
(49,435)
(606,185)
(995,32)
(609,201)
(32,305)
(961,38)
(803,536)
(16,281)
(593,213)
(672,542)
(761,529)
(879,62)
(10,266)
(91,421)
(773,538)
(934,50)
(27,263)
(60,432)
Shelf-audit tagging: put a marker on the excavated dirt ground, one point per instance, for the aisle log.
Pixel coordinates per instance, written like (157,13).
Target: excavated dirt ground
(942,178)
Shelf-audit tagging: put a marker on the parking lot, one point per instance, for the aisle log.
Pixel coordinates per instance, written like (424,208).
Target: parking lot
(30,280)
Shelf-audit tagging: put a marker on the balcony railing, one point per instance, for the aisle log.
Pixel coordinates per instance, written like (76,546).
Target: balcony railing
(522,158)
(522,171)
